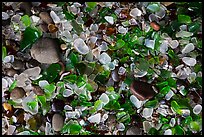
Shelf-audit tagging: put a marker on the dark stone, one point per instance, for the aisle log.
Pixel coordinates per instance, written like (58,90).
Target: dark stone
(58,105)
(142,90)
(17,93)
(37,90)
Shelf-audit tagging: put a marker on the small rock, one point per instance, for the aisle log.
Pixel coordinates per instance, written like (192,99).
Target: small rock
(95,118)
(134,131)
(135,101)
(37,90)
(197,109)
(109,19)
(142,90)
(81,46)
(63,46)
(104,98)
(168,132)
(7,106)
(104,58)
(46,17)
(188,48)
(189,61)
(52,28)
(45,50)
(57,122)
(147,112)
(18,64)
(135,12)
(57,105)
(10,72)
(17,93)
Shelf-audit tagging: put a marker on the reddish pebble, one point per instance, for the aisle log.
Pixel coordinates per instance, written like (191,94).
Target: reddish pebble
(155,26)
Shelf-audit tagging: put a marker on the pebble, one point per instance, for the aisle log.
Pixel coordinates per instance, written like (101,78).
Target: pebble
(81,46)
(147,112)
(188,48)
(95,118)
(17,93)
(7,106)
(63,46)
(18,64)
(10,72)
(134,131)
(109,19)
(57,105)
(142,90)
(135,101)
(189,61)
(135,12)
(37,90)
(104,98)
(104,58)
(197,109)
(46,17)
(57,122)
(45,50)
(52,28)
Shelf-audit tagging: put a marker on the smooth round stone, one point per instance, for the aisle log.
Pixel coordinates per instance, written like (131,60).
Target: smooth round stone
(197,109)
(45,50)
(57,122)
(188,48)
(17,64)
(189,61)
(81,46)
(46,17)
(134,131)
(135,12)
(95,118)
(104,58)
(17,93)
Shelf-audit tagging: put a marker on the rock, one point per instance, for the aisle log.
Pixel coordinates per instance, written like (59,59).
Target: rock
(7,106)
(57,105)
(104,58)
(135,12)
(81,46)
(18,64)
(134,131)
(95,118)
(104,98)
(189,61)
(57,122)
(17,93)
(46,17)
(10,72)
(37,90)
(142,90)
(147,112)
(197,109)
(52,28)
(135,101)
(109,19)
(45,50)
(188,48)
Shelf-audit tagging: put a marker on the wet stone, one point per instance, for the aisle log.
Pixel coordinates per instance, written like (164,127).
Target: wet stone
(46,17)
(142,90)
(10,72)
(17,93)
(45,50)
(57,122)
(18,64)
(37,90)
